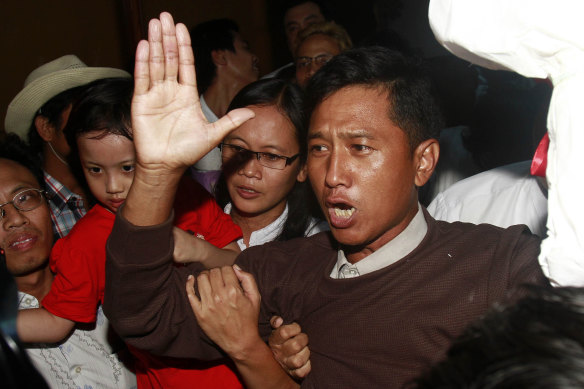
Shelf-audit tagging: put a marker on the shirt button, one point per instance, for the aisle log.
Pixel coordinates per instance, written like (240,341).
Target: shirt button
(78,369)
(27,301)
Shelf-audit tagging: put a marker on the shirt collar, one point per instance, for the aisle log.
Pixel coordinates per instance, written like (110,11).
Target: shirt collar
(267,234)
(392,251)
(209,114)
(58,193)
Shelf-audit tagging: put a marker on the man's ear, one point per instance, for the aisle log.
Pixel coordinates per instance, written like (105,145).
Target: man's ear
(45,129)
(426,157)
(218,57)
(302,174)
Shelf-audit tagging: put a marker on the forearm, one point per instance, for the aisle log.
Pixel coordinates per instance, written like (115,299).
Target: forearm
(260,370)
(210,256)
(151,197)
(40,326)
(144,295)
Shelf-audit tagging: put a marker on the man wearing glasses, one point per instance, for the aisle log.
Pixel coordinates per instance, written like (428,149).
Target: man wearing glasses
(85,358)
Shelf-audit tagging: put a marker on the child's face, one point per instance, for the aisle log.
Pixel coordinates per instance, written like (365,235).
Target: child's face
(108,164)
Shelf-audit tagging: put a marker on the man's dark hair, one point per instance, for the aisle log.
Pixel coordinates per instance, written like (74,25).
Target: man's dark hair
(287,97)
(206,37)
(325,10)
(537,343)
(412,106)
(15,149)
(52,110)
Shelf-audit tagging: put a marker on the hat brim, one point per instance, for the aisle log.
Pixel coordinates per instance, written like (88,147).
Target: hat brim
(30,99)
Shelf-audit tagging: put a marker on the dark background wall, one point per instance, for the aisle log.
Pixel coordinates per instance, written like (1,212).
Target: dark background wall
(105,32)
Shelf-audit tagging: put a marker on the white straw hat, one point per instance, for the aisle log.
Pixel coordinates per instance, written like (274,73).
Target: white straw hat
(47,81)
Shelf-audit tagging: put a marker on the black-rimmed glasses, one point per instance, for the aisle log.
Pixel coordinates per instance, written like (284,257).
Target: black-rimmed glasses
(273,161)
(25,200)
(319,60)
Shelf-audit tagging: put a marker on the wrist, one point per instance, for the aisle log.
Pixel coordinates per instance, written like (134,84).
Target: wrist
(252,350)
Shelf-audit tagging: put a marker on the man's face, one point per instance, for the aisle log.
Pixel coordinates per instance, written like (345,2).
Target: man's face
(243,63)
(361,168)
(25,237)
(298,18)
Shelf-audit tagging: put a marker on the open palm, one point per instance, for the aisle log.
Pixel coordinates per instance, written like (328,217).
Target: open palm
(170,131)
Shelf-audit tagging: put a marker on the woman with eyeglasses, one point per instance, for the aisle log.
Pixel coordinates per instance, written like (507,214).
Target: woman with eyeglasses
(263,185)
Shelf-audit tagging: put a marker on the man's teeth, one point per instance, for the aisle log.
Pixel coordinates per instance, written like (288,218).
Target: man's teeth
(344,212)
(20,242)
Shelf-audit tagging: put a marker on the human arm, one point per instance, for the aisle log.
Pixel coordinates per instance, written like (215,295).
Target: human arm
(38,325)
(227,310)
(290,347)
(170,131)
(189,248)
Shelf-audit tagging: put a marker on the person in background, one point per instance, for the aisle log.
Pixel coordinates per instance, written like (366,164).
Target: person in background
(88,356)
(317,44)
(371,144)
(39,113)
(225,64)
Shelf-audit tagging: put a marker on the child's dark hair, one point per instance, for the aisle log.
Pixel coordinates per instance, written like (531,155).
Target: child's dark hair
(288,99)
(104,105)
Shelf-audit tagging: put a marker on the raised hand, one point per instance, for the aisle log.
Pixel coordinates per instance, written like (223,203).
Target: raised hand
(170,131)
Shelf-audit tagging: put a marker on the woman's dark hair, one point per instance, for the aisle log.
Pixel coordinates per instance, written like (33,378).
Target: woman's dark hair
(288,99)
(104,106)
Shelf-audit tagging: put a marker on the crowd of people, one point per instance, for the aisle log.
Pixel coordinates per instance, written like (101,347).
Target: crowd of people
(196,225)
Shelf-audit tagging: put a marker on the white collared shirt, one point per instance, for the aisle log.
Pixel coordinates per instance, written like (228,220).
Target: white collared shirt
(391,252)
(84,360)
(270,232)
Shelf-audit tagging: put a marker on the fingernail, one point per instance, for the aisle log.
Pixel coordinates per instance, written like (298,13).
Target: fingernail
(236,267)
(189,277)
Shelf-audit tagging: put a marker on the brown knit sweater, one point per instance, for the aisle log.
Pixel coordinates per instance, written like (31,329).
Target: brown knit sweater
(378,330)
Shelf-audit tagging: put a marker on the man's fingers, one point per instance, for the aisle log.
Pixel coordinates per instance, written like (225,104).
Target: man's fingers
(204,287)
(193,299)
(169,46)
(303,371)
(156,54)
(248,284)
(186,59)
(284,333)
(228,123)
(141,69)
(276,322)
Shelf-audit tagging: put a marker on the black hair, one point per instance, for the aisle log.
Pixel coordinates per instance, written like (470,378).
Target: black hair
(52,110)
(323,6)
(412,106)
(287,97)
(15,149)
(206,37)
(104,105)
(537,343)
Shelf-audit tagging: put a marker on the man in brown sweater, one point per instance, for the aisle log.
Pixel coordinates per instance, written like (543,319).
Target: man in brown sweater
(380,298)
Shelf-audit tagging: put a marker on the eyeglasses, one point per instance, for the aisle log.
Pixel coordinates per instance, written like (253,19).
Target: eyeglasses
(239,154)
(319,60)
(24,201)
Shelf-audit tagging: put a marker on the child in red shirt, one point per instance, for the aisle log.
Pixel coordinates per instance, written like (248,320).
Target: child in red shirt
(99,129)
